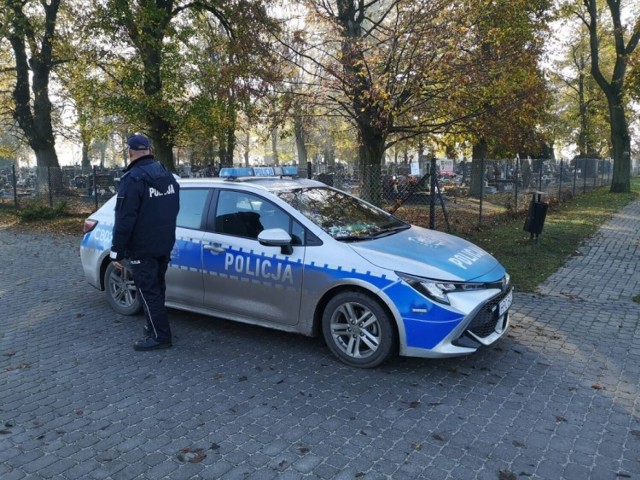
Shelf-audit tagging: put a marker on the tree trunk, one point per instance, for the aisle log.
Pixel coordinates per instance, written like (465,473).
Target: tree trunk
(231,144)
(274,145)
(33,115)
(161,134)
(103,156)
(227,137)
(85,162)
(479,155)
(227,146)
(371,152)
(209,153)
(247,149)
(583,135)
(621,141)
(163,149)
(372,121)
(300,140)
(149,47)
(330,154)
(613,89)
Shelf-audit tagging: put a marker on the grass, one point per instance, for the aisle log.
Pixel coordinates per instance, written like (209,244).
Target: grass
(566,226)
(34,213)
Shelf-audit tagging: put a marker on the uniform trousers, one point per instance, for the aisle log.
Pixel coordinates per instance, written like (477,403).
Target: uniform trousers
(149,277)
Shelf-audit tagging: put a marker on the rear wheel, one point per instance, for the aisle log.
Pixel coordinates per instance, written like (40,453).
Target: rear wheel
(121,292)
(358,330)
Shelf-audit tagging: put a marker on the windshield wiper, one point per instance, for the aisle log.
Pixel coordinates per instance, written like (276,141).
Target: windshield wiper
(383,232)
(353,238)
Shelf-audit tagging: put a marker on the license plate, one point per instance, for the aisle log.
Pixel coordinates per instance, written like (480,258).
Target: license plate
(505,303)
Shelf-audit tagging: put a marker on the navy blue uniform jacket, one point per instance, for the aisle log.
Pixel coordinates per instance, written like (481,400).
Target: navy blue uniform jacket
(146,210)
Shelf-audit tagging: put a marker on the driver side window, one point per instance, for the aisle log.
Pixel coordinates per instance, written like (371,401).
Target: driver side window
(271,216)
(246,215)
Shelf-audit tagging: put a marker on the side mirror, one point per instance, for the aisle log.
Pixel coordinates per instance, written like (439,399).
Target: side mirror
(276,237)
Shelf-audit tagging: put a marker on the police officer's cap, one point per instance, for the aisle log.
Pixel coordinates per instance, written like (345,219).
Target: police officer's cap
(138,142)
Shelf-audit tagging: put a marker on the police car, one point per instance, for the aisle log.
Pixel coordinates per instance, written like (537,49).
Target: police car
(262,247)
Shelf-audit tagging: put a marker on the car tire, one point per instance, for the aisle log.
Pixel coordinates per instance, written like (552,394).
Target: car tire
(358,330)
(121,291)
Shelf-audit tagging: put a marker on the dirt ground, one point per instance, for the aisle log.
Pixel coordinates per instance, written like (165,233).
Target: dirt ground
(70,223)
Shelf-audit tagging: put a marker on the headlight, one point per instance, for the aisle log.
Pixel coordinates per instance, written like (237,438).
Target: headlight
(438,290)
(433,289)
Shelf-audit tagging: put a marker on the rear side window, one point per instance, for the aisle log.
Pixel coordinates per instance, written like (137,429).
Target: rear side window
(192,205)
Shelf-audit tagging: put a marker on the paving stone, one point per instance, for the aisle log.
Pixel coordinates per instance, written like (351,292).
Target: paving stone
(557,396)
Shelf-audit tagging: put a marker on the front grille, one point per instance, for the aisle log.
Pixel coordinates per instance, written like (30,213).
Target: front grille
(485,321)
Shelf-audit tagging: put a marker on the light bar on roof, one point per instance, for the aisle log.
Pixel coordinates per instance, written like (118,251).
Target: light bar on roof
(235,172)
(263,171)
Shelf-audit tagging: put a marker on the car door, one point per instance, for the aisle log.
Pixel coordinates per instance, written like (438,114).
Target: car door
(243,279)
(184,276)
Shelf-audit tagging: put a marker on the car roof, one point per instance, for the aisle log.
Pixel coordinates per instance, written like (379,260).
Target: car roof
(272,184)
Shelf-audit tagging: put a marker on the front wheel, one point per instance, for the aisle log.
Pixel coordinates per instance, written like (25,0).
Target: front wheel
(121,292)
(358,330)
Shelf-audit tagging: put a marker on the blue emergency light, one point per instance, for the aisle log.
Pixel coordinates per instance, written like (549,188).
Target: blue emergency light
(235,172)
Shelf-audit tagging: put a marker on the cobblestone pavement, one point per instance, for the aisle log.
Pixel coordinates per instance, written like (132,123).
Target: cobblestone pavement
(558,398)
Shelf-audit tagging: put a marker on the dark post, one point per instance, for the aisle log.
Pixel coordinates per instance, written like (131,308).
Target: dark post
(50,189)
(482,172)
(540,164)
(309,165)
(95,189)
(15,187)
(432,197)
(560,182)
(515,181)
(575,176)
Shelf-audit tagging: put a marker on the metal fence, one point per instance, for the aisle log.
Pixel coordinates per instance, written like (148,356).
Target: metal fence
(457,205)
(503,189)
(80,191)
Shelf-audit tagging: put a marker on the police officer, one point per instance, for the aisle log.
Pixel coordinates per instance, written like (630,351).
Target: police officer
(144,234)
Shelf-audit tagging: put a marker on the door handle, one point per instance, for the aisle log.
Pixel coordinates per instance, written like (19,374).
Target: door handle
(215,248)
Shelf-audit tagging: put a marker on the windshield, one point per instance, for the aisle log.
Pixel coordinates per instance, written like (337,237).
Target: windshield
(342,216)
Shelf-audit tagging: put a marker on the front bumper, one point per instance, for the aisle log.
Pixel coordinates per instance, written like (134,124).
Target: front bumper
(480,328)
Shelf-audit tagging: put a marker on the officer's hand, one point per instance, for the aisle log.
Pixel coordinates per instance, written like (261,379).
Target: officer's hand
(118,265)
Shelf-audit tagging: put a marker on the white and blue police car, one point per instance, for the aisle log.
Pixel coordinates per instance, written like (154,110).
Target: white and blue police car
(259,246)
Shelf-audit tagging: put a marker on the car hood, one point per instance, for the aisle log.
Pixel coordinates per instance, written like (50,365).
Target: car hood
(428,253)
